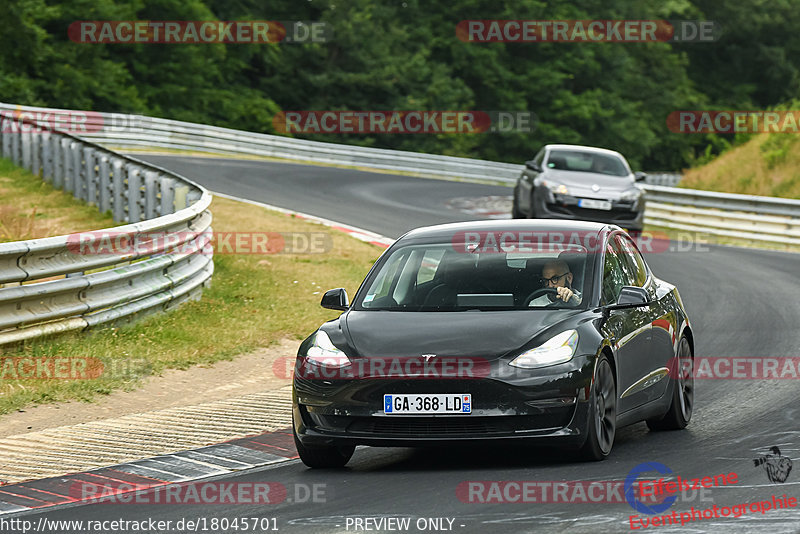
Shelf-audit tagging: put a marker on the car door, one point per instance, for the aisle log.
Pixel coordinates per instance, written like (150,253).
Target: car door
(662,321)
(629,330)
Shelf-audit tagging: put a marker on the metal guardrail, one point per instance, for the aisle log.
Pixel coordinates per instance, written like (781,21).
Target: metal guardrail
(748,217)
(740,216)
(55,284)
(137,131)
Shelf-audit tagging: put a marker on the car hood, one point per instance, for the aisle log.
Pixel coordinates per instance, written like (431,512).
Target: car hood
(580,183)
(484,334)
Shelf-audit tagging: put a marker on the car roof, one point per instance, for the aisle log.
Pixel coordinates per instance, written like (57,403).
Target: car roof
(446,231)
(583,148)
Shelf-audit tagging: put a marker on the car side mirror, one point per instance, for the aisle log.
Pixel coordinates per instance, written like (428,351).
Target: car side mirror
(532,165)
(335,299)
(630,297)
(640,176)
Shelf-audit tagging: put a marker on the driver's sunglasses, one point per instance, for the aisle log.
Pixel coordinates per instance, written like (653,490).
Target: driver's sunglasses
(553,280)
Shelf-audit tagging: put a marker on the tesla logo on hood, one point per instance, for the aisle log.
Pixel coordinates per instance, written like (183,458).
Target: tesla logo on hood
(428,357)
(595,188)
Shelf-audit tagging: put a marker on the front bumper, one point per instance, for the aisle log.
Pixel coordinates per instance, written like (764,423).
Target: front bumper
(532,404)
(626,214)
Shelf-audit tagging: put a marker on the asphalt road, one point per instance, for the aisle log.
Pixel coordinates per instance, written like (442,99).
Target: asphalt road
(741,302)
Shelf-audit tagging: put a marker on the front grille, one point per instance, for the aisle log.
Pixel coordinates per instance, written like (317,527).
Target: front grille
(590,214)
(430,426)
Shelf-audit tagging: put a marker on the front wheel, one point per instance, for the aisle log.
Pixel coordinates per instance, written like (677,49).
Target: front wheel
(602,424)
(680,409)
(322,457)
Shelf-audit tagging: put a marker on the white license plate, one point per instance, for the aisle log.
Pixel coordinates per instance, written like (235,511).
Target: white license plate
(594,204)
(427,403)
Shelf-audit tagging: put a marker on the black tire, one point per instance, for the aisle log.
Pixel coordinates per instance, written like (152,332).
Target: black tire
(680,409)
(532,211)
(602,424)
(515,212)
(324,457)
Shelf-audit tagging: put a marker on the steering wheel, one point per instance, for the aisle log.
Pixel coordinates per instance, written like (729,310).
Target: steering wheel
(539,293)
(429,301)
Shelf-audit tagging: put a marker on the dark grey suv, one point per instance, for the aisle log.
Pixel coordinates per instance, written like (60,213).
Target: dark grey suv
(580,182)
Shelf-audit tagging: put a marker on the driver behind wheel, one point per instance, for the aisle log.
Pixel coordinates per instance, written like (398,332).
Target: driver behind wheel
(556,275)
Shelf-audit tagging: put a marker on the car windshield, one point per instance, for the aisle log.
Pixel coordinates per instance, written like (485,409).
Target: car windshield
(576,160)
(448,277)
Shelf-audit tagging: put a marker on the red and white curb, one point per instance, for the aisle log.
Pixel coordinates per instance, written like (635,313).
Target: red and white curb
(142,475)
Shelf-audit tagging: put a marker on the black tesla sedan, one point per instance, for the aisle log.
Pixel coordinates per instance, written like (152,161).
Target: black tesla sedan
(580,182)
(550,331)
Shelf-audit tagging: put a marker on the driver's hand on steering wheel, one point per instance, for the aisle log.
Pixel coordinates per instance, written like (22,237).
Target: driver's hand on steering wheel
(565,294)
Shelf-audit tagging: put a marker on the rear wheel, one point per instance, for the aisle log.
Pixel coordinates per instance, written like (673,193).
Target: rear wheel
(602,424)
(321,457)
(680,409)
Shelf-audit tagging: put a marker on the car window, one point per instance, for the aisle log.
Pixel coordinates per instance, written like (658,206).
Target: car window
(438,277)
(386,279)
(636,265)
(614,273)
(429,266)
(576,160)
(539,157)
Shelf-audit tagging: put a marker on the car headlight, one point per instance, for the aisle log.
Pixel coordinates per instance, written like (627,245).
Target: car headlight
(324,352)
(561,189)
(631,195)
(558,349)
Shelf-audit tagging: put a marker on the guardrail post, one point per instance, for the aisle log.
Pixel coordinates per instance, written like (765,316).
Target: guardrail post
(75,182)
(150,191)
(167,195)
(134,193)
(67,158)
(58,161)
(118,189)
(104,186)
(16,148)
(180,197)
(26,149)
(90,170)
(47,157)
(36,147)
(5,133)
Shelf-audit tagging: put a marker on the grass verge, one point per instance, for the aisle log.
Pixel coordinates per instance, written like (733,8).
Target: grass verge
(766,165)
(31,208)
